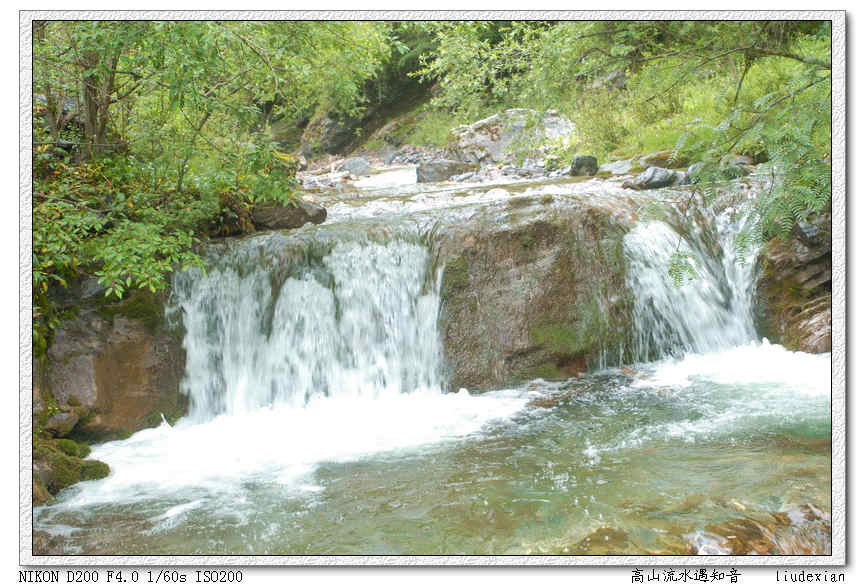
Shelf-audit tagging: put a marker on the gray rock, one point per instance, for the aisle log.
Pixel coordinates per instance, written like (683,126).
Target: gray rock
(655,178)
(736,160)
(584,165)
(691,175)
(357,166)
(735,166)
(91,287)
(508,136)
(807,233)
(464,177)
(440,170)
(618,167)
(325,135)
(274,216)
(61,423)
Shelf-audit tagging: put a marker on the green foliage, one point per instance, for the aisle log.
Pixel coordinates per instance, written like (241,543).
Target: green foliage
(703,89)
(73,448)
(680,267)
(168,124)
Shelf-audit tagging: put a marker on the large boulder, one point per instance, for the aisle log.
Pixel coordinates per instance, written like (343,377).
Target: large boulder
(655,178)
(357,166)
(111,370)
(276,216)
(534,286)
(507,137)
(583,165)
(794,291)
(441,170)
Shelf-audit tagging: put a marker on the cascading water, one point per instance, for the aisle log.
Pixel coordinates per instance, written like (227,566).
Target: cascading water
(362,324)
(708,313)
(318,422)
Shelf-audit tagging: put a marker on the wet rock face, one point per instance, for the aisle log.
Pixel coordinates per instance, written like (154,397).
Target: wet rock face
(509,136)
(325,135)
(537,292)
(794,292)
(112,370)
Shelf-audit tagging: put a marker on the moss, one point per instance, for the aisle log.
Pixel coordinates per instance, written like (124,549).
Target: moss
(637,169)
(604,174)
(141,305)
(547,371)
(73,448)
(93,470)
(559,340)
(528,240)
(455,276)
(65,471)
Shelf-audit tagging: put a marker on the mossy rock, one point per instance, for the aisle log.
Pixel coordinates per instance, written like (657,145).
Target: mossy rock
(73,448)
(171,408)
(546,371)
(455,276)
(558,340)
(141,305)
(65,471)
(41,496)
(94,470)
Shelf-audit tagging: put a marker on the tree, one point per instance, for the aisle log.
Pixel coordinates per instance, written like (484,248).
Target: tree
(169,122)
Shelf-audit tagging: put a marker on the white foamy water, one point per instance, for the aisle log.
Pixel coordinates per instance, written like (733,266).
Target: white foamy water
(338,361)
(707,313)
(283,444)
(362,323)
(749,364)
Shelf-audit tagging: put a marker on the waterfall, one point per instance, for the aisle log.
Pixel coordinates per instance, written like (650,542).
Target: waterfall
(710,312)
(360,323)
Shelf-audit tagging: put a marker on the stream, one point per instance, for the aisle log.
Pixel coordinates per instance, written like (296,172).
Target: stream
(321,421)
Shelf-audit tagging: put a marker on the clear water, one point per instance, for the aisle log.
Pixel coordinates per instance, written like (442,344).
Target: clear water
(318,425)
